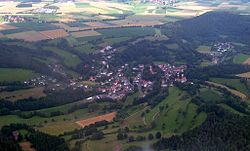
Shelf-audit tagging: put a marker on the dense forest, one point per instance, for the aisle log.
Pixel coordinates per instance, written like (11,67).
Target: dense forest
(210,26)
(40,141)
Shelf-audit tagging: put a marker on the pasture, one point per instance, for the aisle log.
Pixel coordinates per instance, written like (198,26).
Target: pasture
(85,33)
(37,92)
(241,58)
(177,115)
(69,59)
(204,49)
(14,74)
(107,117)
(233,91)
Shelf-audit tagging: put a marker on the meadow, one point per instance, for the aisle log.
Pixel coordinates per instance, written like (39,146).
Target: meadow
(178,114)
(240,58)
(12,74)
(233,83)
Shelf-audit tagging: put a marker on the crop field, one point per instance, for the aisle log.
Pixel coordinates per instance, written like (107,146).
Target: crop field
(30,36)
(7,27)
(244,75)
(107,117)
(85,33)
(53,34)
(247,61)
(23,94)
(11,74)
(50,124)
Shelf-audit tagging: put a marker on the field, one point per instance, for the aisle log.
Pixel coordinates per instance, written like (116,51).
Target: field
(111,143)
(23,94)
(241,58)
(26,146)
(238,89)
(244,75)
(31,36)
(204,49)
(69,59)
(210,95)
(6,27)
(11,74)
(178,115)
(56,33)
(107,117)
(85,33)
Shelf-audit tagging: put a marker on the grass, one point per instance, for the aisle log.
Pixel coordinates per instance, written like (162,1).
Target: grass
(230,109)
(172,46)
(240,58)
(209,95)
(110,142)
(130,98)
(127,32)
(69,59)
(14,74)
(232,83)
(111,41)
(81,5)
(178,117)
(204,49)
(27,26)
(86,48)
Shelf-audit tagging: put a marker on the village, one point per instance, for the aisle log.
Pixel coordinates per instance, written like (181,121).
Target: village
(219,51)
(114,83)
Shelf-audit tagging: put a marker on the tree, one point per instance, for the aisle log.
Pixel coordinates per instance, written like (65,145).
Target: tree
(158,135)
(131,139)
(150,136)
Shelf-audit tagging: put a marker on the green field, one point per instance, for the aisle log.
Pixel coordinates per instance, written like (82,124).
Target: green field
(11,74)
(204,49)
(172,46)
(178,115)
(230,109)
(127,32)
(209,95)
(27,26)
(69,59)
(233,83)
(240,58)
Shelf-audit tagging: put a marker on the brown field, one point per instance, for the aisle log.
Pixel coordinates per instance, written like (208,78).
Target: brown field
(53,34)
(107,117)
(235,92)
(85,33)
(96,24)
(247,61)
(26,146)
(6,27)
(23,94)
(244,75)
(31,36)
